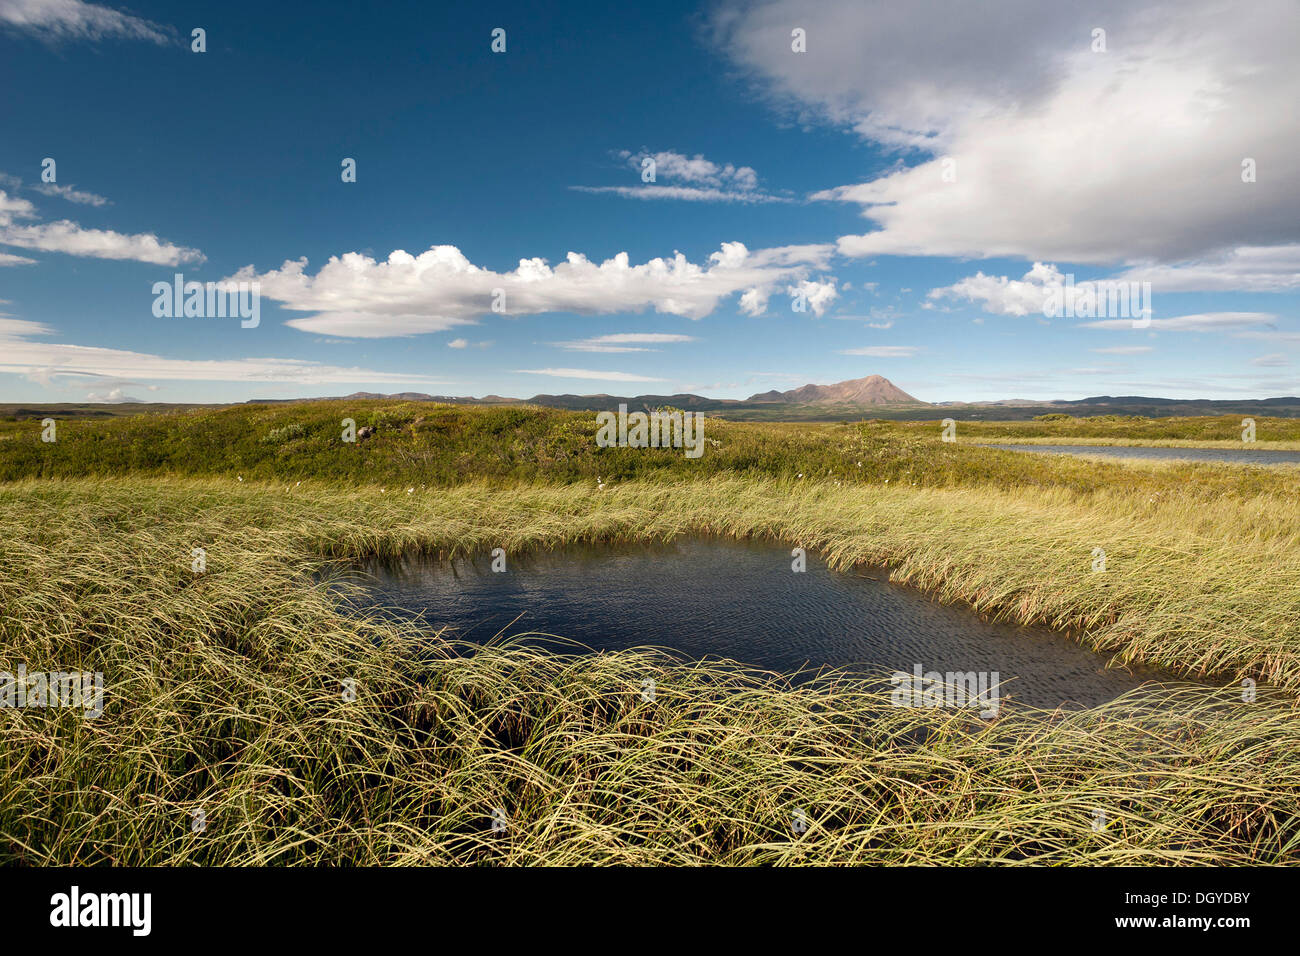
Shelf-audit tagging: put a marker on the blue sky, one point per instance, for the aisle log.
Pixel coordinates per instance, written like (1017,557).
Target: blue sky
(776,173)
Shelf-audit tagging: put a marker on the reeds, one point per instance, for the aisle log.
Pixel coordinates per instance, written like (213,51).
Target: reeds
(231,692)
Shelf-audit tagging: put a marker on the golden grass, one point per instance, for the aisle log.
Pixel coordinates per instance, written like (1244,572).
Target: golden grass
(225,688)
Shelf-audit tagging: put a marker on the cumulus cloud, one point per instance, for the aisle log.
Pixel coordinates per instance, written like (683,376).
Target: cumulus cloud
(1001,295)
(1059,152)
(48,362)
(815,295)
(75,20)
(354,295)
(818,295)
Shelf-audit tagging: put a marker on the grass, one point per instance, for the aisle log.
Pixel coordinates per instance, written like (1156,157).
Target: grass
(225,690)
(442,445)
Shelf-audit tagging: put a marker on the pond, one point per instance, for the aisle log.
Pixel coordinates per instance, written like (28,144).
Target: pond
(740,600)
(1232,455)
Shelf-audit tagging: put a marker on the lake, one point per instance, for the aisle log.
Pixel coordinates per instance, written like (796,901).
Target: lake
(1234,455)
(740,600)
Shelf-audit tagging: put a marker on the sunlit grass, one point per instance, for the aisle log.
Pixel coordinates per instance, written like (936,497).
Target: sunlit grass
(226,690)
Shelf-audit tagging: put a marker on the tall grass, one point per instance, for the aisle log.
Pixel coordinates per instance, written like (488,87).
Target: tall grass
(421,443)
(225,690)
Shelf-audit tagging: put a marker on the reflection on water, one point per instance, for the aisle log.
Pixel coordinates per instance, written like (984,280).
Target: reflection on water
(1239,456)
(738,600)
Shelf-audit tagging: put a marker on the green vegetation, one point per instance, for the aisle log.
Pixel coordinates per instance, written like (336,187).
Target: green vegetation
(225,690)
(421,443)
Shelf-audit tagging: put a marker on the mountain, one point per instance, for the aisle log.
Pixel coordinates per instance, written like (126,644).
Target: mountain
(872,390)
(872,397)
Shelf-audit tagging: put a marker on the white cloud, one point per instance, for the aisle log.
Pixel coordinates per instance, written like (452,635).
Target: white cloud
(8,259)
(71,194)
(75,20)
(677,167)
(688,193)
(74,240)
(354,295)
(458,344)
(68,237)
(1244,269)
(1001,295)
(11,208)
(112,396)
(818,295)
(624,342)
(585,373)
(47,362)
(1123,349)
(1276,360)
(682,177)
(1274,335)
(884,351)
(1201,322)
(1131,155)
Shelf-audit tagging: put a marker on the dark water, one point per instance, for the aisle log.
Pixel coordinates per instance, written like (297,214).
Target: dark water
(1240,456)
(739,600)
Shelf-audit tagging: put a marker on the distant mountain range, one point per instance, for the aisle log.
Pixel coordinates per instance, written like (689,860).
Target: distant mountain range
(855,399)
(872,390)
(871,397)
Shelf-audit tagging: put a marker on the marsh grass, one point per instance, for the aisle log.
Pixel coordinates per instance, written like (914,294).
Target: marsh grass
(225,690)
(437,445)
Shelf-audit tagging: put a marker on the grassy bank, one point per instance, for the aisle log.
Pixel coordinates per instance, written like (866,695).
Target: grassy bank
(224,690)
(424,444)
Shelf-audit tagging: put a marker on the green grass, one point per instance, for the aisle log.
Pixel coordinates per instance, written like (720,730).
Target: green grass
(439,445)
(225,689)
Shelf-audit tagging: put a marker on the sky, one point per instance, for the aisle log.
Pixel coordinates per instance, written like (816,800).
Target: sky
(720,198)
